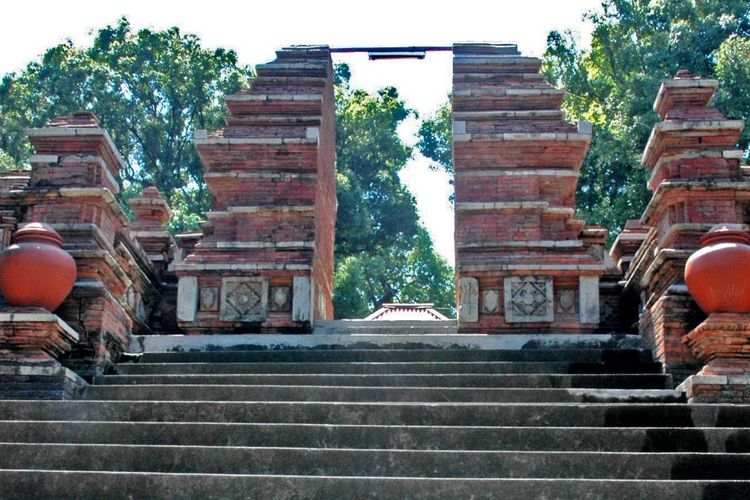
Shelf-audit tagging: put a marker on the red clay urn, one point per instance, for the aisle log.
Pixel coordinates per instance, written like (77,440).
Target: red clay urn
(718,275)
(35,271)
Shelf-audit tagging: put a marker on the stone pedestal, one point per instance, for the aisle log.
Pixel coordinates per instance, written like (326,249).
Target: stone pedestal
(265,261)
(722,342)
(31,343)
(524,262)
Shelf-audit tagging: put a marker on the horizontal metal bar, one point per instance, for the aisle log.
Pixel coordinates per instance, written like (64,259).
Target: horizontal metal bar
(428,48)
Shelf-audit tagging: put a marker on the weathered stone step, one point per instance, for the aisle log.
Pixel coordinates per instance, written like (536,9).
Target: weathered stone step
(24,484)
(548,381)
(422,367)
(450,414)
(370,394)
(622,439)
(374,463)
(392,355)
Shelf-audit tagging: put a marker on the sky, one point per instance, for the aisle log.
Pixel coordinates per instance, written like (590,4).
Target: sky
(256,29)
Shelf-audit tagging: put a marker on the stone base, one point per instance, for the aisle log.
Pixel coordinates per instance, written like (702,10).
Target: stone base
(717,389)
(31,341)
(722,342)
(33,335)
(725,337)
(43,381)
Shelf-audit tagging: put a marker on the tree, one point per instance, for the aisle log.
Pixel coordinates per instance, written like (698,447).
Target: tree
(635,45)
(383,254)
(150,90)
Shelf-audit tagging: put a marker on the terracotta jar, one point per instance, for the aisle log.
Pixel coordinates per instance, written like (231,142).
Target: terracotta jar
(35,271)
(718,275)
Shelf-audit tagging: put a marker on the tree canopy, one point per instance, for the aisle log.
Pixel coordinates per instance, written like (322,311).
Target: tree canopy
(383,253)
(635,45)
(149,89)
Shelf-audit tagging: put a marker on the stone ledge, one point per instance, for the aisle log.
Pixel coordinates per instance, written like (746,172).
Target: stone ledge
(496,114)
(713,389)
(36,315)
(668,186)
(652,152)
(261,175)
(523,136)
(261,266)
(532,267)
(271,141)
(525,172)
(273,97)
(525,244)
(506,92)
(80,132)
(500,59)
(258,244)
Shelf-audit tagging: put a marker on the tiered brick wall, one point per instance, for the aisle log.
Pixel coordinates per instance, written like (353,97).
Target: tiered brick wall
(74,179)
(524,262)
(265,261)
(697,183)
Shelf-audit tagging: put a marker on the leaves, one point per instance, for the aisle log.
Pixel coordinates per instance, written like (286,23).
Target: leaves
(150,90)
(383,254)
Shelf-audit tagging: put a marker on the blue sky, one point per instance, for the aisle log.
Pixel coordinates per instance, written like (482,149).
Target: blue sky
(255,30)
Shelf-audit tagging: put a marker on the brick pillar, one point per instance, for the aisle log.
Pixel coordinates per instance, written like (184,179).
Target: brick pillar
(149,230)
(74,179)
(697,183)
(523,261)
(265,261)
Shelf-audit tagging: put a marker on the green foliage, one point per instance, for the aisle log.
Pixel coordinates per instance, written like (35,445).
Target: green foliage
(434,138)
(733,70)
(383,254)
(635,45)
(150,90)
(400,273)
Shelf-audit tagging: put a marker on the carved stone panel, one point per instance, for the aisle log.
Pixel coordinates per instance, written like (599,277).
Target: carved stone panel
(565,301)
(281,299)
(244,299)
(491,302)
(209,299)
(468,309)
(528,299)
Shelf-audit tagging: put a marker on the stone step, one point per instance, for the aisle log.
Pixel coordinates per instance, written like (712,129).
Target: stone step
(370,394)
(421,367)
(393,355)
(374,463)
(24,484)
(360,334)
(622,439)
(549,381)
(449,414)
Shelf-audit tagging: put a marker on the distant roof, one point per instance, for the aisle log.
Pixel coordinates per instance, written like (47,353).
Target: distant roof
(409,312)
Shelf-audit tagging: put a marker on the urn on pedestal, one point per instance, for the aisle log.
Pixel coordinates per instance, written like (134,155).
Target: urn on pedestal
(718,275)
(35,271)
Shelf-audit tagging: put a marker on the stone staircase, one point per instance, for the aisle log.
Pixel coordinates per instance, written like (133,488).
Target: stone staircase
(387,419)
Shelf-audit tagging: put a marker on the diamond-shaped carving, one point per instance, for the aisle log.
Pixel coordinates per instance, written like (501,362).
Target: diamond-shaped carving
(281,298)
(528,299)
(244,299)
